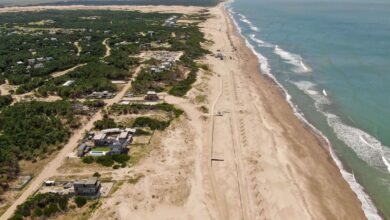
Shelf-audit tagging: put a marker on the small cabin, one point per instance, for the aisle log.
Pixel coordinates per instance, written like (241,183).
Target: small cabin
(151,96)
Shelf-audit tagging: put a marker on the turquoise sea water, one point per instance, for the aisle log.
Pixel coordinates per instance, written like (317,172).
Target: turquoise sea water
(333,59)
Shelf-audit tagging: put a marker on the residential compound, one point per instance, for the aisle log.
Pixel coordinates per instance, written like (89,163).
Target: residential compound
(87,188)
(107,142)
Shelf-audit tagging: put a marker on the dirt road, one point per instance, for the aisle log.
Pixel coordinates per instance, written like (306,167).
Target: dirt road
(108,48)
(51,168)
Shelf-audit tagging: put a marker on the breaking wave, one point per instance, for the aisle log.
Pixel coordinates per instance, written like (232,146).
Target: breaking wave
(368,207)
(367,147)
(244,19)
(293,59)
(259,42)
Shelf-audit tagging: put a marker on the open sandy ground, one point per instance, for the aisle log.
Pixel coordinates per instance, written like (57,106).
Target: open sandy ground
(256,161)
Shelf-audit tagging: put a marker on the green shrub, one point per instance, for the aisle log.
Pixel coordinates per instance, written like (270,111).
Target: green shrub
(141,132)
(105,160)
(37,212)
(5,100)
(105,124)
(183,86)
(46,204)
(50,209)
(153,124)
(116,166)
(88,159)
(121,158)
(80,201)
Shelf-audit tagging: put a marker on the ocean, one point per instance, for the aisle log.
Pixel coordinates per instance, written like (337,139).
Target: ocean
(333,60)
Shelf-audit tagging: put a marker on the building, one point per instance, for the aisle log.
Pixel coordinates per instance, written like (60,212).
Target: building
(19,63)
(41,59)
(102,95)
(88,188)
(115,140)
(151,33)
(38,65)
(68,83)
(82,150)
(31,61)
(123,136)
(100,139)
(151,96)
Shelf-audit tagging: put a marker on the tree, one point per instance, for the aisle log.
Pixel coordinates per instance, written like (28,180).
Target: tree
(80,201)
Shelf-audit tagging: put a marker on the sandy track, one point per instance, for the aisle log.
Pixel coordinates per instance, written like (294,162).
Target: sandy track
(273,166)
(51,168)
(108,48)
(61,73)
(79,48)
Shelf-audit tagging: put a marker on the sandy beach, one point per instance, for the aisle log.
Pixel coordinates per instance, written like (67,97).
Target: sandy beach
(249,158)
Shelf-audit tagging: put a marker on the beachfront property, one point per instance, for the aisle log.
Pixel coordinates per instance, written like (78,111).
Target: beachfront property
(109,142)
(87,188)
(83,149)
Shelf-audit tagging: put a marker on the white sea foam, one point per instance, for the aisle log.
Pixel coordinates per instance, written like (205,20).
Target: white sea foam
(259,42)
(293,59)
(366,146)
(369,209)
(310,89)
(244,19)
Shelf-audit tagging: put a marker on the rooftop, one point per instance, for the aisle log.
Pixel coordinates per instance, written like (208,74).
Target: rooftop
(90,181)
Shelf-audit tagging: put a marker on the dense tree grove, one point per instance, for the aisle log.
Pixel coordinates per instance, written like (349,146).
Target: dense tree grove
(105,123)
(5,100)
(29,130)
(41,206)
(36,46)
(95,76)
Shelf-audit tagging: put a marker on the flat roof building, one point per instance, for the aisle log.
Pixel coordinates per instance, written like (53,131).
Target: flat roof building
(88,188)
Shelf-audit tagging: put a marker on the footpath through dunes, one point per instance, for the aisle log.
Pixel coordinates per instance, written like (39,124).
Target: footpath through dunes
(267,164)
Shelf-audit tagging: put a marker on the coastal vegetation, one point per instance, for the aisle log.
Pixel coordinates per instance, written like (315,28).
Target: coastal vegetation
(5,100)
(32,130)
(41,206)
(140,108)
(69,55)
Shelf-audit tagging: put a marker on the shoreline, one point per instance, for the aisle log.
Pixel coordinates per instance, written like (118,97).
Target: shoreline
(269,165)
(324,144)
(368,206)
